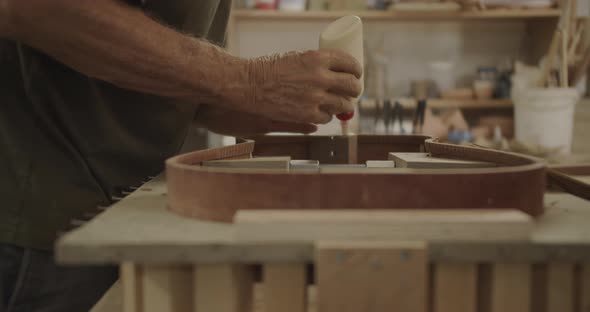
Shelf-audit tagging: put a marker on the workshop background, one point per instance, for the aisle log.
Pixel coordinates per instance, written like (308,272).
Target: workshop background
(466,59)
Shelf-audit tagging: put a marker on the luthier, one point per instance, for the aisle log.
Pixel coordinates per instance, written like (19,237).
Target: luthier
(109,176)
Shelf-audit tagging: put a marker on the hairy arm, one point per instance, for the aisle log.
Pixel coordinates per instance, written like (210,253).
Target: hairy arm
(108,40)
(111,41)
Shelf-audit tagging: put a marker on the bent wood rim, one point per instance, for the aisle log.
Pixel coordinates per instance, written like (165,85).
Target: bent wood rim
(217,193)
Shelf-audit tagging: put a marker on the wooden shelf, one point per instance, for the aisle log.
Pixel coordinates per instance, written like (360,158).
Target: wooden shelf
(444,103)
(391,15)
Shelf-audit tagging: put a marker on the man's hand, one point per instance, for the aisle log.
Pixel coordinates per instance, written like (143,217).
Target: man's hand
(306,87)
(114,42)
(240,124)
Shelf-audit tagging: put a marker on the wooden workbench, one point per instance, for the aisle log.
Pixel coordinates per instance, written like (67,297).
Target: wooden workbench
(139,232)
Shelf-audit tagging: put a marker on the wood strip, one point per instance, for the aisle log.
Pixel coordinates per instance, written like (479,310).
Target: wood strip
(131,280)
(371,276)
(539,287)
(511,287)
(285,287)
(560,287)
(167,288)
(404,189)
(455,287)
(426,161)
(223,288)
(585,288)
(431,225)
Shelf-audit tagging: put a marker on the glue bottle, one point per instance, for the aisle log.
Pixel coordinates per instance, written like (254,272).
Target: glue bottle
(345,34)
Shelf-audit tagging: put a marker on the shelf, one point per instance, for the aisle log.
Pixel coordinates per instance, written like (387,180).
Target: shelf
(444,103)
(391,15)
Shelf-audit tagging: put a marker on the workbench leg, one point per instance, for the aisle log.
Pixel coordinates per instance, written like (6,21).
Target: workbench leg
(511,287)
(285,287)
(585,288)
(130,275)
(167,288)
(371,276)
(560,287)
(455,287)
(223,288)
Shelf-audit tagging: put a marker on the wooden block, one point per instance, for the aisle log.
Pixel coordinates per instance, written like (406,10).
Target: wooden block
(371,276)
(223,288)
(167,288)
(131,280)
(455,287)
(425,161)
(359,169)
(334,150)
(380,164)
(285,287)
(560,287)
(431,225)
(584,302)
(281,162)
(511,287)
(304,164)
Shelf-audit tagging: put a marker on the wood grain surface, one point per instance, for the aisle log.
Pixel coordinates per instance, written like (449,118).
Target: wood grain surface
(141,228)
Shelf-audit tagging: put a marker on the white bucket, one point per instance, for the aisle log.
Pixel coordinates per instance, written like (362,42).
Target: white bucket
(545,117)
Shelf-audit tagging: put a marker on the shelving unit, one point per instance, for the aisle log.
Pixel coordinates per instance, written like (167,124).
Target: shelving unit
(409,103)
(397,15)
(535,24)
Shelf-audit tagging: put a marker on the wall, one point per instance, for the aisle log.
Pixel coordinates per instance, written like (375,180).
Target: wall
(410,45)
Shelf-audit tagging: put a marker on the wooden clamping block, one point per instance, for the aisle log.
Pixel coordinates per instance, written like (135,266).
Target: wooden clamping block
(280,162)
(371,276)
(425,161)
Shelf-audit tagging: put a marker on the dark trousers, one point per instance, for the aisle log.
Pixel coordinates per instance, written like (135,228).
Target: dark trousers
(30,281)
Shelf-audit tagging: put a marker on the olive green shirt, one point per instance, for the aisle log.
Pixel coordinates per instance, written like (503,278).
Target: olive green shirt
(69,143)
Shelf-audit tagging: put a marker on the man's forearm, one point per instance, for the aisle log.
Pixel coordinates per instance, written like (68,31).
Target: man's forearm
(111,41)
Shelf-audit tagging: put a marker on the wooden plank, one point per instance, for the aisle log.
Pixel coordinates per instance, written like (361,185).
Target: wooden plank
(560,287)
(131,279)
(425,161)
(140,228)
(432,225)
(511,287)
(223,288)
(455,287)
(285,287)
(388,15)
(371,276)
(584,303)
(167,288)
(112,301)
(251,163)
